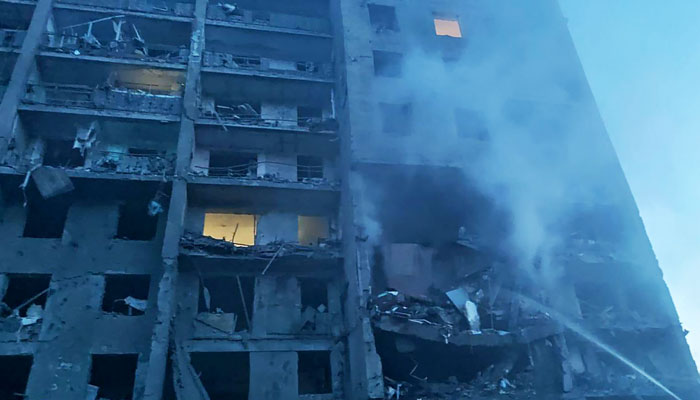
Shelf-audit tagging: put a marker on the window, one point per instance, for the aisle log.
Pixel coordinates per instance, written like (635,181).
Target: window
(447,27)
(21,288)
(471,125)
(229,295)
(14,371)
(112,375)
(312,229)
(236,228)
(315,372)
(396,118)
(308,116)
(46,218)
(239,165)
(387,63)
(60,153)
(126,294)
(382,18)
(224,375)
(135,223)
(309,167)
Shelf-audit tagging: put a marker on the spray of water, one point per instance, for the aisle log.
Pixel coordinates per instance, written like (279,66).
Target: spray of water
(581,331)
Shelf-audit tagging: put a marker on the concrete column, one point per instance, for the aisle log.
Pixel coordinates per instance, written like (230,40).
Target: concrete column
(176,213)
(23,68)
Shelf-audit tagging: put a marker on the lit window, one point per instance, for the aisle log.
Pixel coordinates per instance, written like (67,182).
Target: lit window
(312,229)
(236,228)
(447,27)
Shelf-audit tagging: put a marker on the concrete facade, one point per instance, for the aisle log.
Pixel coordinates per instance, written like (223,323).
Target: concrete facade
(125,125)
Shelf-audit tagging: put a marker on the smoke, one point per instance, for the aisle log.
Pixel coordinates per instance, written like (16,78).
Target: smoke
(515,74)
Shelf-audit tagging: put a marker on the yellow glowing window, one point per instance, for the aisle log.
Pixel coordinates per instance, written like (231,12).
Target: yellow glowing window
(236,228)
(447,27)
(311,229)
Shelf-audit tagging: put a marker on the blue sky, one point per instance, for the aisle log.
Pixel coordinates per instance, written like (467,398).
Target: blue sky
(642,59)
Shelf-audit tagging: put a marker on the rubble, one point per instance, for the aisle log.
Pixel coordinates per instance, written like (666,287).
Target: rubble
(194,243)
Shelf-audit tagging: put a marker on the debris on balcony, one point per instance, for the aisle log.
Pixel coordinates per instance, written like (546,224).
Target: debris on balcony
(194,243)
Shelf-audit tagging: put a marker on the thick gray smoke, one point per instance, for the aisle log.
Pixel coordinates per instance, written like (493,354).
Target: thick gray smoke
(543,156)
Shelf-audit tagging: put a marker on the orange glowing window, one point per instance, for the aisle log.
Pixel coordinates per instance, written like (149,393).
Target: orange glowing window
(447,27)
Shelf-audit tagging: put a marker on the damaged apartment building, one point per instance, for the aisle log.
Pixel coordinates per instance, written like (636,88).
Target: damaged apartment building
(267,199)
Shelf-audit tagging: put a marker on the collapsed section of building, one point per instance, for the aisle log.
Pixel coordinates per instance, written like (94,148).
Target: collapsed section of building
(310,199)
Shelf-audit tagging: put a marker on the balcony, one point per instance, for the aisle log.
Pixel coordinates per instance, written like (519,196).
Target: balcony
(114,101)
(244,115)
(224,14)
(260,66)
(160,7)
(131,51)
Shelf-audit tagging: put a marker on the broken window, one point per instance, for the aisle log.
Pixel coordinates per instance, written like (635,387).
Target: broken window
(14,373)
(240,165)
(447,27)
(314,292)
(60,153)
(229,295)
(46,218)
(470,124)
(382,18)
(24,292)
(387,63)
(112,375)
(224,375)
(312,229)
(307,116)
(126,294)
(239,229)
(315,372)
(396,118)
(309,167)
(135,222)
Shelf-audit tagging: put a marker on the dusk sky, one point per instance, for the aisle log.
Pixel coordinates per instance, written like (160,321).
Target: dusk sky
(642,59)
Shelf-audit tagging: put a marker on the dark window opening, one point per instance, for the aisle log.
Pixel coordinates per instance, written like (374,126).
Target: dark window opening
(387,63)
(135,223)
(396,118)
(315,372)
(24,291)
(471,125)
(224,375)
(383,18)
(126,294)
(46,218)
(239,165)
(307,116)
(60,153)
(14,371)
(314,293)
(309,167)
(113,375)
(225,296)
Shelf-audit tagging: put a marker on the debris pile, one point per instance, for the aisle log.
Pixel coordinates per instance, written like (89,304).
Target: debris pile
(194,243)
(127,42)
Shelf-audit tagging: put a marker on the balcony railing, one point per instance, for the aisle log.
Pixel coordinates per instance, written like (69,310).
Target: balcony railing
(228,12)
(12,38)
(291,68)
(250,170)
(101,98)
(133,49)
(129,163)
(245,115)
(181,9)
